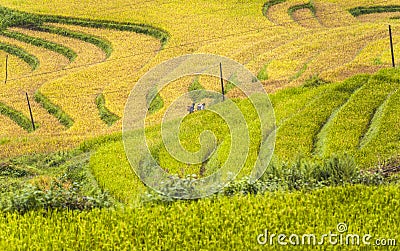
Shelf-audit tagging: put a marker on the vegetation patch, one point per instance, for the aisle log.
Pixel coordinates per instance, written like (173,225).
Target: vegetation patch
(53,109)
(154,101)
(106,115)
(59,181)
(18,117)
(65,51)
(28,58)
(9,170)
(14,18)
(263,74)
(231,83)
(104,45)
(184,224)
(358,11)
(314,81)
(157,33)
(9,18)
(196,91)
(295,8)
(299,73)
(269,4)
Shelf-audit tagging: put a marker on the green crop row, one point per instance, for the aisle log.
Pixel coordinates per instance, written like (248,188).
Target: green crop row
(18,117)
(298,134)
(114,174)
(99,42)
(157,33)
(53,109)
(30,59)
(289,101)
(9,18)
(108,117)
(14,18)
(349,127)
(67,52)
(383,139)
(295,8)
(156,104)
(361,10)
(269,4)
(224,223)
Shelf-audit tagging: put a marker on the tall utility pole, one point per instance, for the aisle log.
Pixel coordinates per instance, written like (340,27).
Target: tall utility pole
(5,81)
(30,111)
(222,82)
(391,45)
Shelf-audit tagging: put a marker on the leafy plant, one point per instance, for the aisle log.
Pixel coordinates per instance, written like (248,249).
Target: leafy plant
(59,197)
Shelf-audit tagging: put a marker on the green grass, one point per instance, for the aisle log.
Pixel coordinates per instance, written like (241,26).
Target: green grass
(361,10)
(384,140)
(307,117)
(18,117)
(28,58)
(106,115)
(53,109)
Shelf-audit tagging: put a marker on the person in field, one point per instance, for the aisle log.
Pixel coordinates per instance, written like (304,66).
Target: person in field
(190,109)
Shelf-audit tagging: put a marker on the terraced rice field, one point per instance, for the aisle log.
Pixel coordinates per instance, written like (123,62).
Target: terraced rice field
(326,65)
(282,42)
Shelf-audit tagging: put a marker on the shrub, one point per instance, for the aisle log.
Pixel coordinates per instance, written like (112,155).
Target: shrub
(60,196)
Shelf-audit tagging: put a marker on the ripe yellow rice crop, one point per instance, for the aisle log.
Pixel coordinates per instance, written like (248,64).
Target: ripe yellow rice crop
(16,67)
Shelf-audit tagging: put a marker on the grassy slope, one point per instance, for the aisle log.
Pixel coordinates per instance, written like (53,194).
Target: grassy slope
(307,126)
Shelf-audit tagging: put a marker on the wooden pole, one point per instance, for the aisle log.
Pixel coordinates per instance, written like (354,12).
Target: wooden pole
(222,82)
(391,46)
(5,81)
(30,111)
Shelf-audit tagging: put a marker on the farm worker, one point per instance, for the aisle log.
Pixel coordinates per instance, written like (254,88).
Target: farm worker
(191,108)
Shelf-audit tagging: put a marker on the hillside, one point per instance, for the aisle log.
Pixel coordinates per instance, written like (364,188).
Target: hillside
(80,176)
(284,43)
